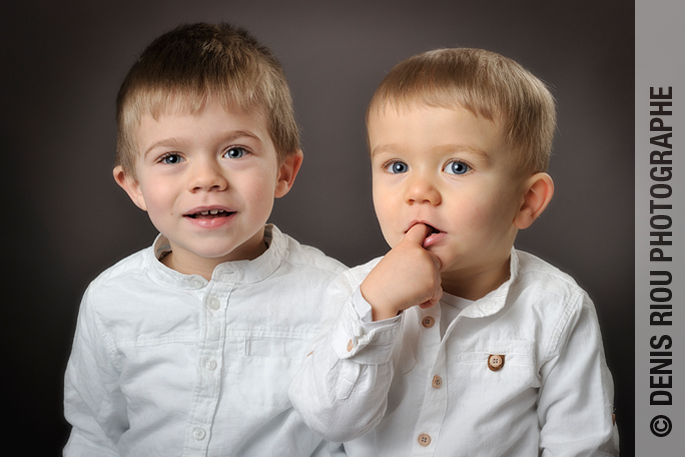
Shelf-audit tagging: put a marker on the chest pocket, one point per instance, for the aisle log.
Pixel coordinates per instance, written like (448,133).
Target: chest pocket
(262,367)
(276,347)
(500,367)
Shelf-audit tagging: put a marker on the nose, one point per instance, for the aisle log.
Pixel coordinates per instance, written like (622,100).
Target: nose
(422,189)
(207,175)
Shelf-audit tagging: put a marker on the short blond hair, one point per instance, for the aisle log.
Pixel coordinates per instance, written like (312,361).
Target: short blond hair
(485,83)
(185,68)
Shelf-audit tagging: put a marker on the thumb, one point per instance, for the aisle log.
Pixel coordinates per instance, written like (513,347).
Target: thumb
(416,234)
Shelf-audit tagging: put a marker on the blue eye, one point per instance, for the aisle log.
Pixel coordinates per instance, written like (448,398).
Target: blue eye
(235,152)
(456,168)
(397,167)
(171,159)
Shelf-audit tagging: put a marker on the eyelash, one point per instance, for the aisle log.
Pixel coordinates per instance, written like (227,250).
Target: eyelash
(389,167)
(232,148)
(163,159)
(458,162)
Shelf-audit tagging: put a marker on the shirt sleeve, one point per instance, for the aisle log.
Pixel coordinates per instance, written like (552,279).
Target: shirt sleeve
(342,386)
(93,402)
(575,406)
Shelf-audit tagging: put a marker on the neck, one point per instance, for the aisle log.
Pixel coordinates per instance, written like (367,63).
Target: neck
(476,285)
(190,263)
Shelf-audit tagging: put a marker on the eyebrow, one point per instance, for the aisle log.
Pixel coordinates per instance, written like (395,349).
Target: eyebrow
(175,142)
(447,148)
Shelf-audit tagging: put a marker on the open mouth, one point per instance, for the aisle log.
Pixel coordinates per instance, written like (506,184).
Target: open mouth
(432,230)
(210,214)
(433,235)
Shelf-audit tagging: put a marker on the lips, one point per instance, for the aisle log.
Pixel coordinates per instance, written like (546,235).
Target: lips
(433,236)
(210,217)
(209,213)
(432,230)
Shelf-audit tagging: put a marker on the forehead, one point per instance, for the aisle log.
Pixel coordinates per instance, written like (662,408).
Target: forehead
(211,121)
(178,103)
(421,127)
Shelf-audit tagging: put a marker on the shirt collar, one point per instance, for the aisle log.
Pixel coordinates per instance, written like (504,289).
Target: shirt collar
(494,301)
(240,271)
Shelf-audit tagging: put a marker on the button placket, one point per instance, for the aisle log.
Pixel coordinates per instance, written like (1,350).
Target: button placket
(431,353)
(210,356)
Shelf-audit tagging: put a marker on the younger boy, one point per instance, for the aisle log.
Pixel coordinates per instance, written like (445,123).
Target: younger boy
(188,347)
(455,343)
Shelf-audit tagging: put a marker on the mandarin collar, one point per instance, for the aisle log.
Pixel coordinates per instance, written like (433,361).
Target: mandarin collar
(236,272)
(494,301)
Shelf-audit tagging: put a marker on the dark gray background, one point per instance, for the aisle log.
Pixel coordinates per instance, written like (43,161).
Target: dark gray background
(64,219)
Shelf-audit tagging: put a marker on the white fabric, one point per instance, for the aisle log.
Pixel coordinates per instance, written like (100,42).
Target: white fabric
(165,364)
(370,384)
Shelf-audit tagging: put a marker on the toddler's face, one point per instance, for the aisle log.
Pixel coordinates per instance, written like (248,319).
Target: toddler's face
(207,181)
(448,169)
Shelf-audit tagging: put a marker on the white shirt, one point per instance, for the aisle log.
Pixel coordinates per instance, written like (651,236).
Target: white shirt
(166,364)
(520,372)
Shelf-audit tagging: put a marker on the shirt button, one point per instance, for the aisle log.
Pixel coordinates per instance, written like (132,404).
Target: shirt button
(350,346)
(424,439)
(213,303)
(437,381)
(210,365)
(495,362)
(199,434)
(197,283)
(428,321)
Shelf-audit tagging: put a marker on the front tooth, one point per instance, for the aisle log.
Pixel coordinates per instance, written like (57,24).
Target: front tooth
(204,213)
(214,211)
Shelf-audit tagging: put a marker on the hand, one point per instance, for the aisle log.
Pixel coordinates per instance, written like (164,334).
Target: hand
(407,276)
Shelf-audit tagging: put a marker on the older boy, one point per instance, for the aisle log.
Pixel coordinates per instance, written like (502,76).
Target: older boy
(188,347)
(455,343)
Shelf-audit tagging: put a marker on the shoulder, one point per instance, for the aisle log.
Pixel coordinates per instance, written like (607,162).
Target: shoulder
(553,297)
(543,277)
(349,280)
(310,259)
(130,266)
(114,283)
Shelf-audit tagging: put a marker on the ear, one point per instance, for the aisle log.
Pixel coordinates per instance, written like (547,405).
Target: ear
(287,172)
(537,193)
(130,185)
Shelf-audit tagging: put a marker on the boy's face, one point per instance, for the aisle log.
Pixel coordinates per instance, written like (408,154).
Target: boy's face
(448,169)
(207,182)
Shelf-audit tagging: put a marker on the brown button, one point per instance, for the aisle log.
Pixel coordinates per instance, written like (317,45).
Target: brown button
(495,362)
(437,381)
(424,439)
(427,322)
(350,346)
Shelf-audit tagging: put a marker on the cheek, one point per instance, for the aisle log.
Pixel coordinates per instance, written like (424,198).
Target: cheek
(483,214)
(258,190)
(390,223)
(156,200)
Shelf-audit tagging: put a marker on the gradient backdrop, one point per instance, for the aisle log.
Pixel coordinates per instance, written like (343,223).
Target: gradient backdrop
(64,219)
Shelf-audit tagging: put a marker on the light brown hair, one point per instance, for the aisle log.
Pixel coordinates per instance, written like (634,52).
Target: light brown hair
(485,83)
(183,69)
